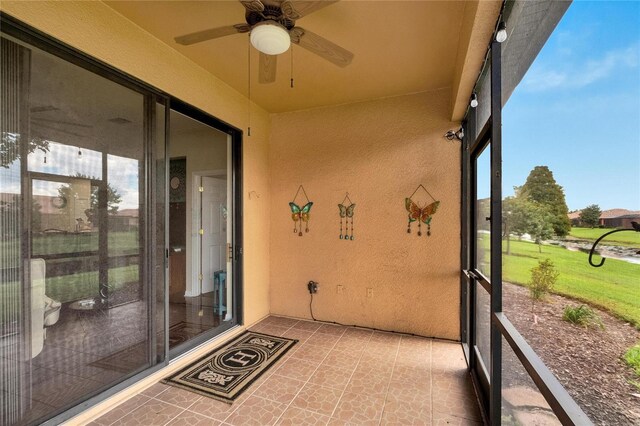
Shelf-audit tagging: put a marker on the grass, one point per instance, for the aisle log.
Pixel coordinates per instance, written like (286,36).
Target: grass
(619,238)
(632,358)
(614,287)
(119,243)
(68,288)
(583,316)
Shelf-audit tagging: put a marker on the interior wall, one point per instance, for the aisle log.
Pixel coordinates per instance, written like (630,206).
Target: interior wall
(205,150)
(378,152)
(96,29)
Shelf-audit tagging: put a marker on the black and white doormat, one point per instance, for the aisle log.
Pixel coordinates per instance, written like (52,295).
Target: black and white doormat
(227,371)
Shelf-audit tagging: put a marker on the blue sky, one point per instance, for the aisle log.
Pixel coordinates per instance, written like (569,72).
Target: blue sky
(577,110)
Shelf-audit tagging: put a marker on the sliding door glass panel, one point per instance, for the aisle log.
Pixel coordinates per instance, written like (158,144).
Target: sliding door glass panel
(483,204)
(78,300)
(483,323)
(522,402)
(200,230)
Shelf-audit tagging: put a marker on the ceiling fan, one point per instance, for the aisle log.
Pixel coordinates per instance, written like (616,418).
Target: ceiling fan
(272,24)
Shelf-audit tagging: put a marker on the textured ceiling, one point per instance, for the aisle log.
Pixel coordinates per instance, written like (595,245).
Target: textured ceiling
(400,47)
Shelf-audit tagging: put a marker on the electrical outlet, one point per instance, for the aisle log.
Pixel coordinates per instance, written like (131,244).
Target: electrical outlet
(312,286)
(369,292)
(340,289)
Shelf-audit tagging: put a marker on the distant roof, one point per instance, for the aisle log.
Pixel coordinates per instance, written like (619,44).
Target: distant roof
(574,215)
(610,214)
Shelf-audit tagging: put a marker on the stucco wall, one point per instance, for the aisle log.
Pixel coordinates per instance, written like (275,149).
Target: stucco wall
(379,152)
(99,31)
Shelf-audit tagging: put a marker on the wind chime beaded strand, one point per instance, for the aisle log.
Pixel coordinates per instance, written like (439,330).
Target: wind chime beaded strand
(346,212)
(299,214)
(420,214)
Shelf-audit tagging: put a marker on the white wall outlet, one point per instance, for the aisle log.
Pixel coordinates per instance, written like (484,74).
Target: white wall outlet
(369,292)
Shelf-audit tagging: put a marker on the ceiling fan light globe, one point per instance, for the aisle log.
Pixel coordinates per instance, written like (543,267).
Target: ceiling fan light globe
(270,38)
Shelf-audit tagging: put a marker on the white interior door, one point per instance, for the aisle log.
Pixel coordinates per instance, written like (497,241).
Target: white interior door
(214,229)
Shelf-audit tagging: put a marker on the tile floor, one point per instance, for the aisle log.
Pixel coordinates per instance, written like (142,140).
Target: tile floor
(334,376)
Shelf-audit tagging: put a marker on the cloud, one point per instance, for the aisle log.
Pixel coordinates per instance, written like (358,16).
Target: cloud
(568,75)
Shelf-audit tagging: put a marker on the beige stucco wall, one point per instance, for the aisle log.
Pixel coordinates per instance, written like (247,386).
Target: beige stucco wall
(379,152)
(98,30)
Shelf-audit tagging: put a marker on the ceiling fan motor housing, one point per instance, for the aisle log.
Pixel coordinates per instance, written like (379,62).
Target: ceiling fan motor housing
(270,13)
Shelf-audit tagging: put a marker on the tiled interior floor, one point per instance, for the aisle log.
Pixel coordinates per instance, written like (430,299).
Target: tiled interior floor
(335,375)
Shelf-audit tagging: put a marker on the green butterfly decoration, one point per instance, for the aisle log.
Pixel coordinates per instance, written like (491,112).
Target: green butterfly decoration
(300,214)
(346,212)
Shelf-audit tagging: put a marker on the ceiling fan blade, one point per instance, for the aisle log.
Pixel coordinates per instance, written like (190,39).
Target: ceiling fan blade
(253,5)
(211,33)
(321,46)
(267,70)
(294,9)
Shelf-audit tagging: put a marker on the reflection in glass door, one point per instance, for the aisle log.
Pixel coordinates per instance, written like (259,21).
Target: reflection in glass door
(201,296)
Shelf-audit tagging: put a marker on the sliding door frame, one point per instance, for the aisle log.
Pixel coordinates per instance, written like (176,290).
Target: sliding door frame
(153,96)
(237,231)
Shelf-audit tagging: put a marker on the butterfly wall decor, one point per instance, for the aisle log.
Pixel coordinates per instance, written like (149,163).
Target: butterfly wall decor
(420,214)
(300,214)
(346,212)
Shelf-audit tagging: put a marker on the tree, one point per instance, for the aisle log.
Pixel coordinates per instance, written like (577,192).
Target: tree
(541,188)
(10,148)
(522,216)
(590,215)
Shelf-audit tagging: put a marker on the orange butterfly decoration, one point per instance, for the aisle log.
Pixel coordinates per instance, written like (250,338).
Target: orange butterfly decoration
(420,214)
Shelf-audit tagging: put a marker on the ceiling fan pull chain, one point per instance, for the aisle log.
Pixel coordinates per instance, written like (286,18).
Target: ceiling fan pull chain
(249,84)
(291,66)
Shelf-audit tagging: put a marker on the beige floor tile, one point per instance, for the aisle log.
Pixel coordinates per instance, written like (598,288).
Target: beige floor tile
(151,413)
(368,383)
(332,329)
(294,416)
(121,410)
(256,411)
(311,326)
(297,369)
(332,377)
(316,398)
(359,409)
(279,388)
(298,334)
(335,375)
(343,359)
(311,352)
(188,418)
(323,339)
(213,408)
(406,409)
(180,397)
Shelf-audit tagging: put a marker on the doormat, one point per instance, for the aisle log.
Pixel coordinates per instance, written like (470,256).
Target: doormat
(125,361)
(227,371)
(184,331)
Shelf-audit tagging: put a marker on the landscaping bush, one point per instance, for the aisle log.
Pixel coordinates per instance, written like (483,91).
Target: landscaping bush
(582,315)
(543,278)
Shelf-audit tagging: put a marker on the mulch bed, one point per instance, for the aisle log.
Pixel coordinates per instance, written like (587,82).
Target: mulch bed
(586,361)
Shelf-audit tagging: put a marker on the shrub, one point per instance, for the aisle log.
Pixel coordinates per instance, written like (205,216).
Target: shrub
(543,278)
(632,358)
(582,315)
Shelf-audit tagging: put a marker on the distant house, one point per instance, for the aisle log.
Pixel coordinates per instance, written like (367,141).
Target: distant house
(612,218)
(618,218)
(574,217)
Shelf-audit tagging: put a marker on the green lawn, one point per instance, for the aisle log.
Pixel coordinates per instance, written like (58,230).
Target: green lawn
(68,288)
(620,238)
(614,287)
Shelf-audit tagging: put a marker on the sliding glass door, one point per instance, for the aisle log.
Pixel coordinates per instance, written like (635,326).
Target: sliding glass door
(201,231)
(76,177)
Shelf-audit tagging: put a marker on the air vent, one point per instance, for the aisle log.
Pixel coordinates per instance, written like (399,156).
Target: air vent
(119,120)
(43,108)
